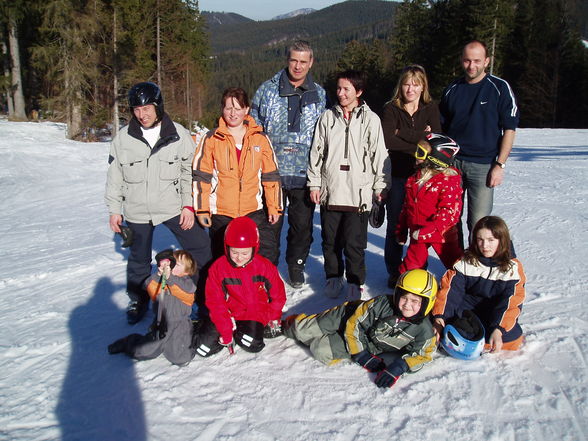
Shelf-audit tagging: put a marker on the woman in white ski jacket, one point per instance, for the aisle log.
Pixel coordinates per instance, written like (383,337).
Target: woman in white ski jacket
(348,163)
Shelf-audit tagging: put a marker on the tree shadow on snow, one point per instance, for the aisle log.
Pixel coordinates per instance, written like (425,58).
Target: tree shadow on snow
(524,153)
(100,398)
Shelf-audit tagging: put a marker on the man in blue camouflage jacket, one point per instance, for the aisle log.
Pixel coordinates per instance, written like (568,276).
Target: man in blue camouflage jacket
(287,106)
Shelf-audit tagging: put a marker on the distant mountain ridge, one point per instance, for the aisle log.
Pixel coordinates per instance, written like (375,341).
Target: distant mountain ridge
(349,20)
(217,19)
(295,13)
(246,52)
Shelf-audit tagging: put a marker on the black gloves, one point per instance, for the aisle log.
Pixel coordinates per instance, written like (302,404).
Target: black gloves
(127,236)
(369,361)
(166,254)
(391,374)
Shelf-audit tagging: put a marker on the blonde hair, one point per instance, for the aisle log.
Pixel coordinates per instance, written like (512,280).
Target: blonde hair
(416,73)
(186,258)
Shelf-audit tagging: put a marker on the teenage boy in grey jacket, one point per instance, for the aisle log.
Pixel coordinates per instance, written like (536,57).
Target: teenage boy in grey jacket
(149,182)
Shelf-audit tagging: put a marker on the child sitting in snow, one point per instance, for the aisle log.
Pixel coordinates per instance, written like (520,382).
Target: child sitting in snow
(389,335)
(244,294)
(171,332)
(432,205)
(490,282)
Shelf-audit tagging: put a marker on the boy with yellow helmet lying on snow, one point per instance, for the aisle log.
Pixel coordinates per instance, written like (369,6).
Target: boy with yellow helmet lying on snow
(388,335)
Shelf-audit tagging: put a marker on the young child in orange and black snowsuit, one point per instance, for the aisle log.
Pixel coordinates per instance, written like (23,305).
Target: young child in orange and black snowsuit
(171,332)
(432,205)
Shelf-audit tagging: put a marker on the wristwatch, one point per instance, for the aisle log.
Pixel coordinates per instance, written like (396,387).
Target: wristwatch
(500,164)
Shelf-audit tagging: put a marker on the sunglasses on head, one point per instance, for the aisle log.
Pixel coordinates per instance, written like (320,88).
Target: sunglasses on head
(414,67)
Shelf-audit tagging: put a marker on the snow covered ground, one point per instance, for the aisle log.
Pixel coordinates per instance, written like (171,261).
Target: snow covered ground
(62,302)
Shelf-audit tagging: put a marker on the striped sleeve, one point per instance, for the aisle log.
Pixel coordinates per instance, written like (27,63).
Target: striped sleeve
(510,303)
(270,179)
(422,354)
(202,173)
(450,294)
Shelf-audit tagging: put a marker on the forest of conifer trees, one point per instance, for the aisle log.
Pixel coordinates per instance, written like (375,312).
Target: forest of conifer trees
(74,60)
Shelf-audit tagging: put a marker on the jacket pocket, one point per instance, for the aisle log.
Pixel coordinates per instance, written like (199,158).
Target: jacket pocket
(134,171)
(169,168)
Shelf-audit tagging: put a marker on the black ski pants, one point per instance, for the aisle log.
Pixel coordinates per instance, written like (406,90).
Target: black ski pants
(195,241)
(248,335)
(268,247)
(344,233)
(300,225)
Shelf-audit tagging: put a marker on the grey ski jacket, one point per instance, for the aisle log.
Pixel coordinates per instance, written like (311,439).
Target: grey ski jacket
(150,185)
(349,162)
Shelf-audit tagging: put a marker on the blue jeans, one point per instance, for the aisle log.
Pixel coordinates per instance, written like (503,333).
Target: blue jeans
(394,201)
(480,197)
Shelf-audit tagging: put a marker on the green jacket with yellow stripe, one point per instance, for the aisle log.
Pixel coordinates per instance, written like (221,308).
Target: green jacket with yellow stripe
(375,326)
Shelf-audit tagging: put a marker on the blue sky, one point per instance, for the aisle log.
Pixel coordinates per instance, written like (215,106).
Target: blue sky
(262,9)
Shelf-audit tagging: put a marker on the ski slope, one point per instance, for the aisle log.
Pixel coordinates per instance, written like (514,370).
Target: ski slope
(62,302)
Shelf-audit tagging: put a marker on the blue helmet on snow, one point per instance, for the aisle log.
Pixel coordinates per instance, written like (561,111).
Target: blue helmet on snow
(463,338)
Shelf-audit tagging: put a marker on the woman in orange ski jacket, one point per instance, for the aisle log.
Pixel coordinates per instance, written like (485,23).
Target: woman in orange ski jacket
(235,173)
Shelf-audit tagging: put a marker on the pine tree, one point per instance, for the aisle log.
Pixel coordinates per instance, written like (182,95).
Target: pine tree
(412,25)
(13,14)
(373,59)
(68,55)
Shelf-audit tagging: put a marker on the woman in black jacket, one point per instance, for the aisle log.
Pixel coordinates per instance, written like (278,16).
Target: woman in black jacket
(407,118)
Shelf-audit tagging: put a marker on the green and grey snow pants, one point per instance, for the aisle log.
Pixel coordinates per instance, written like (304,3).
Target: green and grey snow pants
(323,333)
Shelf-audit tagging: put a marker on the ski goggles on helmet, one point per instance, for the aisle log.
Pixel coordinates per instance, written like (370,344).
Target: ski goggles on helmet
(421,153)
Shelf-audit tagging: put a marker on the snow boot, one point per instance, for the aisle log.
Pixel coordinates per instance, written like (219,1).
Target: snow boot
(136,311)
(296,275)
(333,287)
(118,346)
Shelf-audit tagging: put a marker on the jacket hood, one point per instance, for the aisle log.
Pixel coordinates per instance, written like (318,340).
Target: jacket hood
(360,111)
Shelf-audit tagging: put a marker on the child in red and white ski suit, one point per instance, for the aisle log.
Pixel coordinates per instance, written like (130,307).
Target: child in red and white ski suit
(432,205)
(244,294)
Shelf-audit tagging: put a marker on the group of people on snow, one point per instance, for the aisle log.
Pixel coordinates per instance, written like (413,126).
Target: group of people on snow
(287,149)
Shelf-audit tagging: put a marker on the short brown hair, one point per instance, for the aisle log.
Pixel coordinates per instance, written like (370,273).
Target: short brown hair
(499,230)
(238,94)
(186,258)
(357,78)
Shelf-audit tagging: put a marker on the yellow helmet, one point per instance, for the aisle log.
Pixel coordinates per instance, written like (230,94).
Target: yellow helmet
(421,283)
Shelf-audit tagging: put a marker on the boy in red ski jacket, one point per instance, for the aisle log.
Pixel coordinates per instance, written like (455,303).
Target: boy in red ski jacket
(244,294)
(432,205)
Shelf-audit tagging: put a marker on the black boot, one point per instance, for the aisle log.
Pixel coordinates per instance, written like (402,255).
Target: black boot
(296,275)
(136,311)
(118,346)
